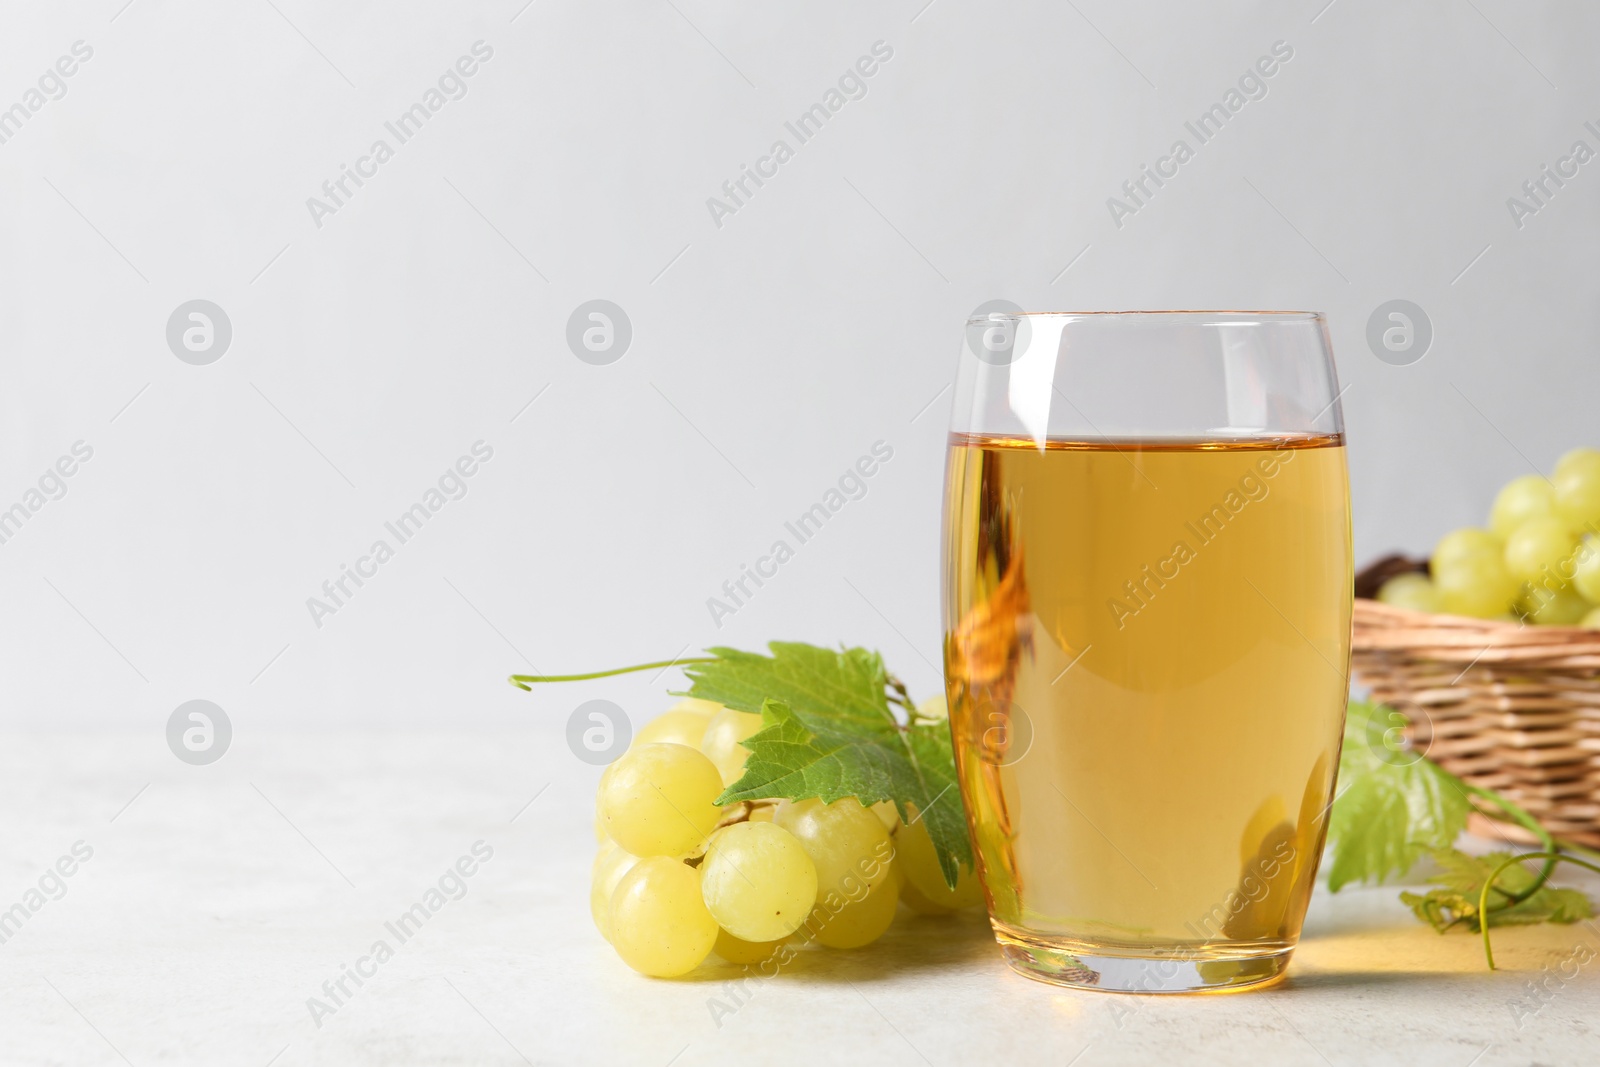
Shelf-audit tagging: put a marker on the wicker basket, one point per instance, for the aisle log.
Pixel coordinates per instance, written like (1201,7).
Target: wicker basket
(1507,707)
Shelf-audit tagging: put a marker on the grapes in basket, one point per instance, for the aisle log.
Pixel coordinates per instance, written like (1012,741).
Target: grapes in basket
(1537,562)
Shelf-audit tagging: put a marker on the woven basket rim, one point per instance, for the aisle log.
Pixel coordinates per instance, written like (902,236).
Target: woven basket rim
(1376,614)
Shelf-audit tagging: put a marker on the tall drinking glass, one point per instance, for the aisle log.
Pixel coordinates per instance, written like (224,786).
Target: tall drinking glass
(1147,586)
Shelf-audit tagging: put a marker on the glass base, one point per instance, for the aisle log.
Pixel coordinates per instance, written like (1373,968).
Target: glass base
(1113,969)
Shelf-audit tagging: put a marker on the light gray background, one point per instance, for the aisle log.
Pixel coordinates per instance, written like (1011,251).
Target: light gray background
(768,354)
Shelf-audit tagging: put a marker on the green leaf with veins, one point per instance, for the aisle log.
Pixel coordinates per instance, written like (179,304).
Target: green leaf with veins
(1461,878)
(828,731)
(1392,809)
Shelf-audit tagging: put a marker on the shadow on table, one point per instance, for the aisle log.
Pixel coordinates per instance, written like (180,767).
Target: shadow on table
(1327,981)
(914,943)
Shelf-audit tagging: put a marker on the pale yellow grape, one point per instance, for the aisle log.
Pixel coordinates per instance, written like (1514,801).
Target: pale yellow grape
(1563,607)
(707,708)
(736,950)
(1538,547)
(609,867)
(1578,491)
(1467,541)
(762,813)
(846,841)
(920,865)
(912,897)
(1414,591)
(1591,620)
(1524,498)
(658,800)
(659,924)
(1586,578)
(721,738)
(757,882)
(886,813)
(673,728)
(1573,459)
(1480,585)
(933,707)
(856,922)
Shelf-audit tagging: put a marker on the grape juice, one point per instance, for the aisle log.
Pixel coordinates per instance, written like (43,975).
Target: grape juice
(1146,654)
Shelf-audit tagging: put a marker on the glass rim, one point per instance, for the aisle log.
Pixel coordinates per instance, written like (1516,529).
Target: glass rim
(1191,317)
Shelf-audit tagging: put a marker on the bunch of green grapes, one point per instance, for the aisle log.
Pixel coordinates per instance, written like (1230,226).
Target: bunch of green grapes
(677,878)
(1538,562)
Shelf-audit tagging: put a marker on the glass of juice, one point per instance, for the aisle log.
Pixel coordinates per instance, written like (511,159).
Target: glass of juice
(1147,594)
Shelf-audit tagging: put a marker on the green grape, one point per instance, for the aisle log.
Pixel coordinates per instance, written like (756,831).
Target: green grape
(886,813)
(1591,620)
(913,899)
(1467,541)
(1578,490)
(610,864)
(659,924)
(1586,576)
(848,843)
(721,740)
(920,864)
(735,950)
(659,800)
(1538,547)
(855,922)
(757,882)
(707,708)
(1524,498)
(1562,607)
(1576,458)
(1414,591)
(676,727)
(1478,585)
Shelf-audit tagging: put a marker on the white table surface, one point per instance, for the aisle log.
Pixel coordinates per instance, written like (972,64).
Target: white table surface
(220,900)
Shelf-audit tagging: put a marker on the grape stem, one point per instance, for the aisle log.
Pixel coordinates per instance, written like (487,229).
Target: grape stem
(1551,852)
(1551,858)
(898,694)
(1572,846)
(526,681)
(745,809)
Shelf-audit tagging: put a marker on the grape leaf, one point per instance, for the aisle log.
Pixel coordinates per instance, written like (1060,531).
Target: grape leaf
(1393,806)
(1461,879)
(827,730)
